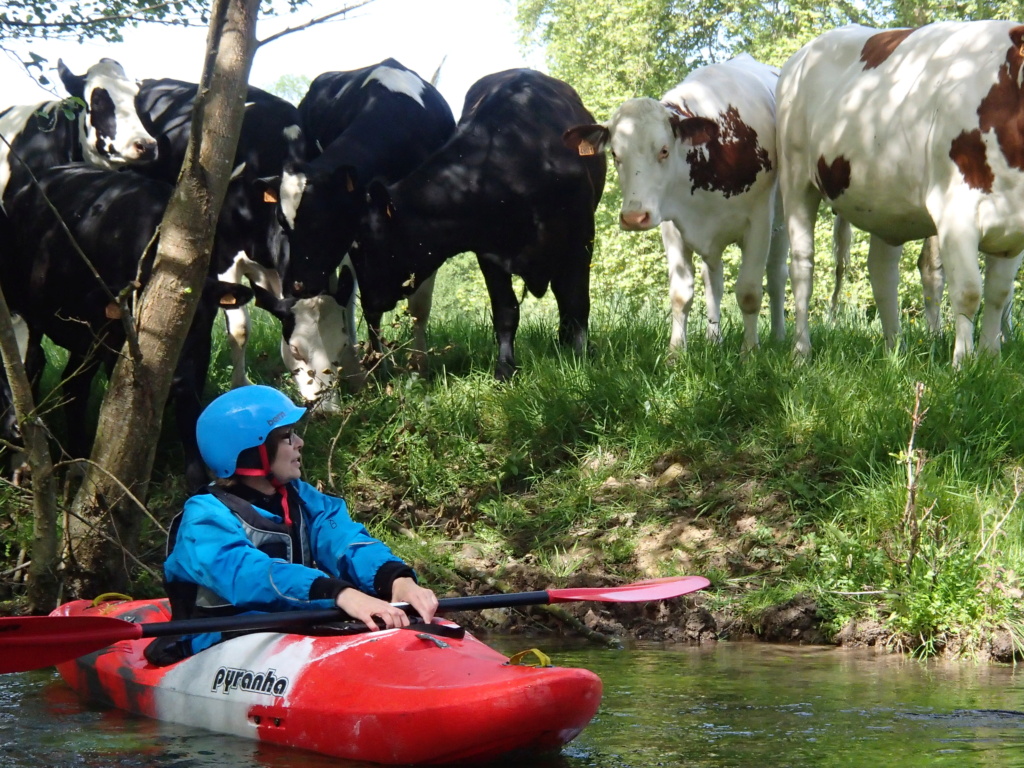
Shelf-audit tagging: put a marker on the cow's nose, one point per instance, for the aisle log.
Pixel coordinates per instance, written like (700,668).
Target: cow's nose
(144,150)
(635,220)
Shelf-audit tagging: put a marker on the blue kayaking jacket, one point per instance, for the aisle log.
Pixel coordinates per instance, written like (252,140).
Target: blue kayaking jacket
(213,548)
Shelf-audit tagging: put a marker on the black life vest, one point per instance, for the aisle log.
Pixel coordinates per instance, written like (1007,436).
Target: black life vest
(189,600)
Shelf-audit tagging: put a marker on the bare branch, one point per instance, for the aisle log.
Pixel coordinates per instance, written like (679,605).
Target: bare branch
(313,22)
(116,481)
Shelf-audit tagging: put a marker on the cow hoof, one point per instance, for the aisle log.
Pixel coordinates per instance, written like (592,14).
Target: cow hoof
(504,372)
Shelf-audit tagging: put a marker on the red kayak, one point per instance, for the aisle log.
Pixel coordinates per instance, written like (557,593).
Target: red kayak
(396,696)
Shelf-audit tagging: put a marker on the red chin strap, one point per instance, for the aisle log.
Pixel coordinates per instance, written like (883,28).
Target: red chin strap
(280,487)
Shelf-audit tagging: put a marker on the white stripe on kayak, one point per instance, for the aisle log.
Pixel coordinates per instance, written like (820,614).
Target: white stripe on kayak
(216,688)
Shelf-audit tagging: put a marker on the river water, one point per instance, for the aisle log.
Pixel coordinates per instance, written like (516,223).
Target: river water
(734,705)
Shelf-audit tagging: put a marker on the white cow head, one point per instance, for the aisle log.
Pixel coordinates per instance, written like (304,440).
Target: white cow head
(317,344)
(649,144)
(111,132)
(320,349)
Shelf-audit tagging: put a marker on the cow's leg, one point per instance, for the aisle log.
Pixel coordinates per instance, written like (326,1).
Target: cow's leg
(186,393)
(1007,322)
(933,282)
(376,357)
(420,304)
(680,283)
(884,273)
(504,314)
(778,272)
(958,250)
(842,235)
(571,287)
(1000,272)
(714,287)
(801,212)
(750,281)
(238,325)
(77,377)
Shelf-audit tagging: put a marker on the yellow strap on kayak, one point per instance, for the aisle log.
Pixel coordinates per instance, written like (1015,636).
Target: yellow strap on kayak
(542,658)
(109,596)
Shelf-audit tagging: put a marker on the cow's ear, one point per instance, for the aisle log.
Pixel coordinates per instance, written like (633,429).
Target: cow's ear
(380,199)
(695,130)
(75,84)
(269,302)
(270,186)
(345,177)
(586,139)
(227,295)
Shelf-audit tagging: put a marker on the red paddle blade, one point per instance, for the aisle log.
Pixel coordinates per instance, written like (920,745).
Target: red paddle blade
(640,592)
(35,642)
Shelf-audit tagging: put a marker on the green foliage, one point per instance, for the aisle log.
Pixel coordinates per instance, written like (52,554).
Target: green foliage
(794,475)
(91,19)
(290,87)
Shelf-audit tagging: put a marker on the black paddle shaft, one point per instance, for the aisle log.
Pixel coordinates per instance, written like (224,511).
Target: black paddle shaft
(269,621)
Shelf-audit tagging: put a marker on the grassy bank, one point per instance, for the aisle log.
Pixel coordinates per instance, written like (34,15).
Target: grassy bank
(773,479)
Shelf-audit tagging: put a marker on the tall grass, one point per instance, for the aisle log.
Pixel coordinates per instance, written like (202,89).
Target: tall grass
(771,476)
(774,477)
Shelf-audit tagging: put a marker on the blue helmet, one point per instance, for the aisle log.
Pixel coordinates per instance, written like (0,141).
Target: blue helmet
(239,419)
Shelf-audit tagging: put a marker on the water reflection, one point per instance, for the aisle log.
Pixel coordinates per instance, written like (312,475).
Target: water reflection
(735,705)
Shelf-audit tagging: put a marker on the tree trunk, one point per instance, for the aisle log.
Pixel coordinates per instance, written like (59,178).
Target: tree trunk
(105,521)
(42,571)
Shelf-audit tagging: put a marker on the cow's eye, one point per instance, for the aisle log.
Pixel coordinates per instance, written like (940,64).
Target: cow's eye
(663,155)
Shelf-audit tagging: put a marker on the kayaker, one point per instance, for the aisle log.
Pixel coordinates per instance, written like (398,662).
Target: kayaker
(259,538)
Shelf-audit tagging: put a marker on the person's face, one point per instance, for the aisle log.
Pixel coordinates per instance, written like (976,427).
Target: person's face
(287,463)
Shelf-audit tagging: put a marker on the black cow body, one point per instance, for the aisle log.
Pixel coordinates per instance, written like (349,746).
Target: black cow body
(250,243)
(378,122)
(112,217)
(505,187)
(270,136)
(106,132)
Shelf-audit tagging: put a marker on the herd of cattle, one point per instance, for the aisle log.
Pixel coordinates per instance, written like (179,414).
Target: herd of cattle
(369,185)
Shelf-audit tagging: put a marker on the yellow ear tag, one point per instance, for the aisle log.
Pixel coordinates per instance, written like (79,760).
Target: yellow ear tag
(586,148)
(269,196)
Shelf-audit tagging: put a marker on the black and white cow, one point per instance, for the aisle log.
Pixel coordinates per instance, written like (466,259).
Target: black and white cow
(377,122)
(506,187)
(250,242)
(107,133)
(103,130)
(113,217)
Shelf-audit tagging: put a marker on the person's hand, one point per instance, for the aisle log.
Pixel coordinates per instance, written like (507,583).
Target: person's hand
(363,607)
(406,590)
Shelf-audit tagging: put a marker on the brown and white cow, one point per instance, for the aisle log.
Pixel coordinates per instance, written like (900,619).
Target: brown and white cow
(910,133)
(701,163)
